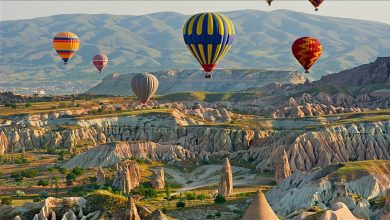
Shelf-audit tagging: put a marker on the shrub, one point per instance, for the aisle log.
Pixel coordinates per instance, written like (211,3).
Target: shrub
(50,169)
(145,191)
(218,214)
(43,194)
(62,170)
(219,199)
(209,216)
(22,160)
(202,196)
(43,182)
(51,150)
(83,190)
(78,171)
(31,173)
(180,204)
(6,201)
(28,104)
(19,193)
(191,196)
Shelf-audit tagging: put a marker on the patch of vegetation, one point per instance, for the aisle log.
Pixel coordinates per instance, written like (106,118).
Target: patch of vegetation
(180,204)
(145,190)
(83,190)
(6,201)
(43,182)
(31,173)
(219,199)
(104,200)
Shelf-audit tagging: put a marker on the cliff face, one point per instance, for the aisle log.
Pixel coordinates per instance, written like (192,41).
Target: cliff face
(373,73)
(305,148)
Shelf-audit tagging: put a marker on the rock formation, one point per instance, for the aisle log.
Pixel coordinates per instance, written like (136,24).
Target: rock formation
(69,215)
(385,215)
(3,143)
(259,209)
(100,177)
(157,215)
(339,211)
(225,187)
(282,166)
(131,211)
(159,181)
(127,177)
(109,154)
(17,218)
(296,192)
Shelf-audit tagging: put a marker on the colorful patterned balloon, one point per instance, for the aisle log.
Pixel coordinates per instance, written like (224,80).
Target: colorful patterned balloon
(100,61)
(66,44)
(307,50)
(144,86)
(208,36)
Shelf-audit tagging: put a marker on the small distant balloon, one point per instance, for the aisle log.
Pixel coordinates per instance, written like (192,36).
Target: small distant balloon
(66,44)
(100,61)
(307,50)
(144,86)
(316,3)
(208,36)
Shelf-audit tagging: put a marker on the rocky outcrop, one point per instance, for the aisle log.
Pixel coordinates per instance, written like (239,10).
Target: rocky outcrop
(100,176)
(3,143)
(225,187)
(339,211)
(321,188)
(131,211)
(127,177)
(157,215)
(159,181)
(373,73)
(69,215)
(111,153)
(385,215)
(259,209)
(282,166)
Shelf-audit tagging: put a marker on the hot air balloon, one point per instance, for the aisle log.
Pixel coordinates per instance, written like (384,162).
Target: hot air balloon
(144,86)
(316,3)
(208,36)
(307,50)
(269,2)
(100,61)
(66,44)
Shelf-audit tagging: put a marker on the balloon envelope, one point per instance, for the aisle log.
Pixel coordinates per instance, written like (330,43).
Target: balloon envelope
(307,50)
(269,2)
(66,44)
(316,3)
(144,86)
(100,61)
(208,36)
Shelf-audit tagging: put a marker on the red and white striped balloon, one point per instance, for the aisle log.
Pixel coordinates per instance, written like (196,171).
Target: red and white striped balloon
(100,61)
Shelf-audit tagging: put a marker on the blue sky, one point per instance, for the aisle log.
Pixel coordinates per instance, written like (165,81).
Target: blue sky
(367,10)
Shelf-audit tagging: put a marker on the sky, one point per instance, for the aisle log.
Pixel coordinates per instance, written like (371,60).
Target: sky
(363,9)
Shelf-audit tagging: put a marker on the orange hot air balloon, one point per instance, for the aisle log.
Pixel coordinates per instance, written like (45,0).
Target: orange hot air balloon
(307,50)
(316,3)
(66,44)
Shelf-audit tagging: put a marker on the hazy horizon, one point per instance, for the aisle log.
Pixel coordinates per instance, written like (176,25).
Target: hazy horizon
(16,10)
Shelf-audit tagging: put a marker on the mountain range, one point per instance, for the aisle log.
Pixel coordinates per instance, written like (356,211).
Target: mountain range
(154,42)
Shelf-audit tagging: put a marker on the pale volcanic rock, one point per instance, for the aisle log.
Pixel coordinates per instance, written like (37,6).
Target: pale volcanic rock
(385,215)
(100,176)
(339,211)
(111,153)
(282,166)
(225,187)
(157,215)
(3,143)
(69,215)
(259,209)
(17,218)
(158,181)
(127,177)
(131,210)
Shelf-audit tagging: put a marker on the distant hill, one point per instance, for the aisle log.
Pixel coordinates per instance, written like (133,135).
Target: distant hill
(154,42)
(172,81)
(377,72)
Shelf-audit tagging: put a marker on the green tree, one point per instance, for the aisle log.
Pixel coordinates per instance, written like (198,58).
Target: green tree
(219,199)
(168,191)
(43,182)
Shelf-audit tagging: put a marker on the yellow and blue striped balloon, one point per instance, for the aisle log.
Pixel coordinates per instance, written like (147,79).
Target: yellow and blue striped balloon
(66,44)
(209,37)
